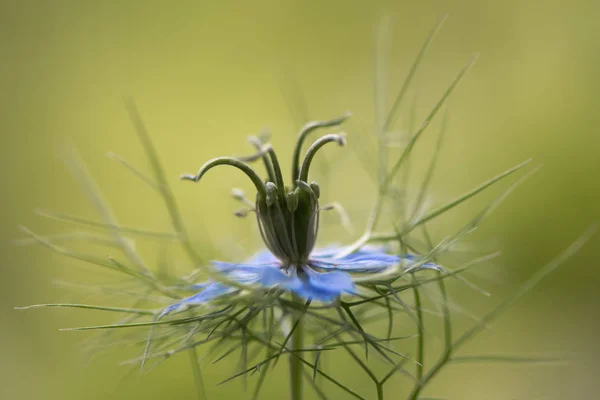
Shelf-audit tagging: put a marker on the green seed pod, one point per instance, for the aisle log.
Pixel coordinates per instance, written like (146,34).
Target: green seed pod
(292,201)
(315,188)
(243,213)
(271,190)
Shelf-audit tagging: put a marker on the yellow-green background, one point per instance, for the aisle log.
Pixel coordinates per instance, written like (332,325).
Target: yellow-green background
(206,74)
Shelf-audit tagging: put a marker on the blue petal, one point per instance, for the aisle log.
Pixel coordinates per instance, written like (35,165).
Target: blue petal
(411,260)
(312,285)
(210,292)
(201,285)
(361,261)
(333,250)
(262,257)
(264,274)
(267,275)
(368,259)
(322,286)
(329,251)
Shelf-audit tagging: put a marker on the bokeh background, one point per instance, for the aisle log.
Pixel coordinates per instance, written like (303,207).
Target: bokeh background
(207,74)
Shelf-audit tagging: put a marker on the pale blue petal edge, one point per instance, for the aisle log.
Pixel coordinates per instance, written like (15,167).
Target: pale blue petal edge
(369,259)
(265,270)
(322,286)
(210,292)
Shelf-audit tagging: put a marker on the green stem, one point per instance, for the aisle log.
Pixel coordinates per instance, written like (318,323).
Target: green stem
(198,381)
(297,343)
(446,354)
(448,346)
(421,338)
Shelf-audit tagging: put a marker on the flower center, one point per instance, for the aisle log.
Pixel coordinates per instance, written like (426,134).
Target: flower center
(289,225)
(287,216)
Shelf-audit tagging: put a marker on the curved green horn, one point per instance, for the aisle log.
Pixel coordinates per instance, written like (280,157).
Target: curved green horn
(306,129)
(277,172)
(245,168)
(262,150)
(313,150)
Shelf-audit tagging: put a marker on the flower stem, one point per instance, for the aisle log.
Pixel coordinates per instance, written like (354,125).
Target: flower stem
(297,342)
(421,338)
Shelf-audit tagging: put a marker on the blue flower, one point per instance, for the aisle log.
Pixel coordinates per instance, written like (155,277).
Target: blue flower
(324,277)
(288,220)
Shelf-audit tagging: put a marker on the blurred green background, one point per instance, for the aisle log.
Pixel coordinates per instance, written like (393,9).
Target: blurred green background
(207,74)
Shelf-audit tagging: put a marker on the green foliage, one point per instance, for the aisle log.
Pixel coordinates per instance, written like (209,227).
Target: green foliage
(261,327)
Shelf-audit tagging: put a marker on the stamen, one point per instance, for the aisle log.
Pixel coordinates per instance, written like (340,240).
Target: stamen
(260,144)
(308,128)
(339,139)
(344,218)
(239,195)
(243,212)
(245,168)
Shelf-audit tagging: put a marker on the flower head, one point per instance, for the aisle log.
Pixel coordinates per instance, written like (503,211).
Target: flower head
(288,221)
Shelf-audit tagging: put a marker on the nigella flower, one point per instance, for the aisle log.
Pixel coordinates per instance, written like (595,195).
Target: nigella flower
(288,220)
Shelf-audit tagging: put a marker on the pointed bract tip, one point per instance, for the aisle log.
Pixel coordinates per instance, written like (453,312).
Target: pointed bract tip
(188,177)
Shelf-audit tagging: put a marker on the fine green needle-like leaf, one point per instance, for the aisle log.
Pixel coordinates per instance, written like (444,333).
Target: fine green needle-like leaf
(439,211)
(393,114)
(197,373)
(426,123)
(83,221)
(88,307)
(524,288)
(149,181)
(501,358)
